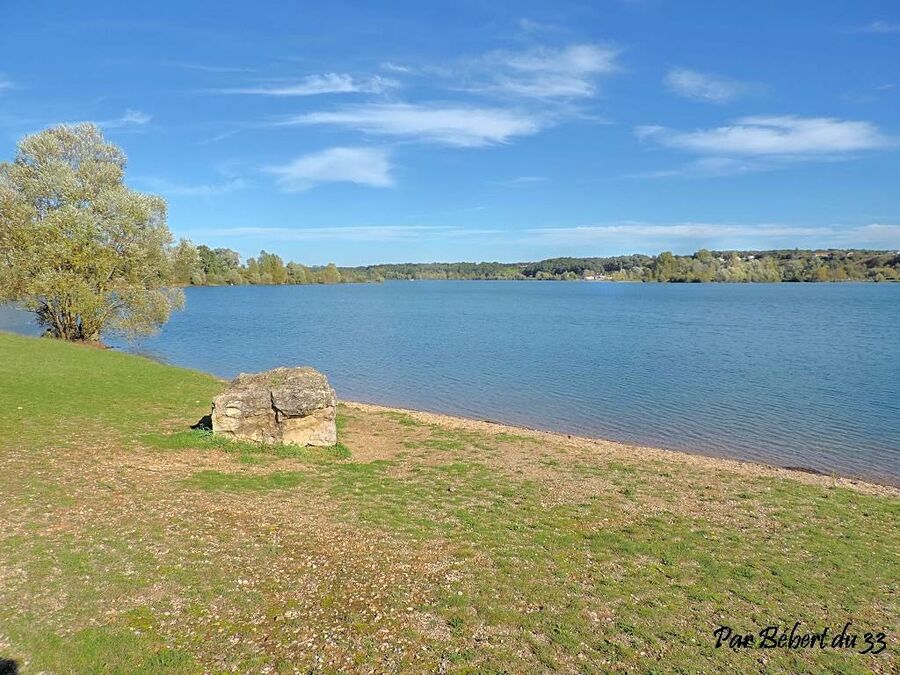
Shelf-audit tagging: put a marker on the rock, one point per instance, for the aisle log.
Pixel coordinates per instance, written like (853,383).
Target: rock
(284,405)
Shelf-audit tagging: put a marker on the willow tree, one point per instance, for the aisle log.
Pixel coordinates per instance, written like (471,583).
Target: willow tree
(80,249)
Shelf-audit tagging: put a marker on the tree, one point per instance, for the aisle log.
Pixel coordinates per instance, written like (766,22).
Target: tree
(821,274)
(296,273)
(252,271)
(234,277)
(665,266)
(78,248)
(704,256)
(230,260)
(214,268)
(271,268)
(186,268)
(331,275)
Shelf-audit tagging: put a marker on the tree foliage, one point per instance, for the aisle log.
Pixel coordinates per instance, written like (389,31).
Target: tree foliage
(703,266)
(81,250)
(186,264)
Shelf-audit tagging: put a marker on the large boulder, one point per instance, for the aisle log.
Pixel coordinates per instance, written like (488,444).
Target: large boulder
(284,405)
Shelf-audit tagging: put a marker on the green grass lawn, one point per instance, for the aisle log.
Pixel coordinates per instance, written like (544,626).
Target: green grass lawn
(129,543)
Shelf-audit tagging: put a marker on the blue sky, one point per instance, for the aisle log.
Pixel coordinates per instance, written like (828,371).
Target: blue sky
(418,131)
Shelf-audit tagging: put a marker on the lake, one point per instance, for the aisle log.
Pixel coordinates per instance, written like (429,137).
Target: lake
(802,375)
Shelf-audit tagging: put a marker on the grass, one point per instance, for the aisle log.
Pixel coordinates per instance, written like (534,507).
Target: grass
(247,452)
(230,482)
(134,544)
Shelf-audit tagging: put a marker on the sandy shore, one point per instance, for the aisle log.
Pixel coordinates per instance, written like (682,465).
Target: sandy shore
(636,452)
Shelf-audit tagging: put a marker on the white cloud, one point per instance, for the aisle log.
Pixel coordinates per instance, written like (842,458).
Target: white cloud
(313,85)
(168,188)
(452,213)
(135,117)
(544,79)
(547,73)
(880,28)
(775,137)
(202,67)
(703,86)
(395,67)
(218,137)
(591,233)
(707,167)
(876,235)
(531,26)
(5,82)
(581,59)
(621,237)
(689,236)
(130,119)
(459,125)
(540,73)
(345,233)
(363,166)
(522,180)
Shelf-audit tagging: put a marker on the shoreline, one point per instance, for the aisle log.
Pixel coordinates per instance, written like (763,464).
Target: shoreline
(424,537)
(747,468)
(528,279)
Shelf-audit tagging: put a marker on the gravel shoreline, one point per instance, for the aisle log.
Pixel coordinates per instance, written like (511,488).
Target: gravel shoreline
(638,452)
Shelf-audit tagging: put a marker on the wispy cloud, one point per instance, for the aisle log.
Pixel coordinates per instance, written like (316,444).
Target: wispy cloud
(589,233)
(620,237)
(454,124)
(688,236)
(130,120)
(775,137)
(134,117)
(704,87)
(543,80)
(879,28)
(547,73)
(315,85)
(362,233)
(522,180)
(169,188)
(218,137)
(708,167)
(206,68)
(363,166)
(430,216)
(392,67)
(530,26)
(5,82)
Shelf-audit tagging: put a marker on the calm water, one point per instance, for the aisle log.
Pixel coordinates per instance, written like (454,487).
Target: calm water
(790,374)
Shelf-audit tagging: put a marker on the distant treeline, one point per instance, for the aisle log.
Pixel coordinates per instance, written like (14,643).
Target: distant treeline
(202,266)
